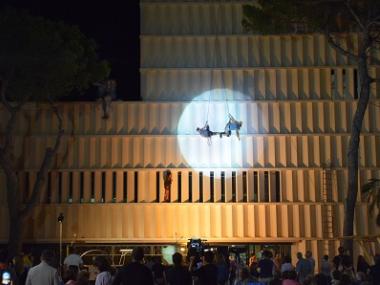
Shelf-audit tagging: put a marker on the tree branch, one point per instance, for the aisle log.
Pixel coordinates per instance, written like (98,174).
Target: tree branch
(46,163)
(355,16)
(343,51)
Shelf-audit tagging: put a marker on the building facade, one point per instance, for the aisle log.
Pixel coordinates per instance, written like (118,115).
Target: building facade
(283,182)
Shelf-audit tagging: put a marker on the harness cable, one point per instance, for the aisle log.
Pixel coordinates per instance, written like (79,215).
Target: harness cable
(232,123)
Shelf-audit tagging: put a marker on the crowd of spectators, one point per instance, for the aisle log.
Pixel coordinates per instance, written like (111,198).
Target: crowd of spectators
(210,268)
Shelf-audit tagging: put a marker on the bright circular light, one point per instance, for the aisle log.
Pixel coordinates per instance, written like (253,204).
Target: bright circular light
(212,107)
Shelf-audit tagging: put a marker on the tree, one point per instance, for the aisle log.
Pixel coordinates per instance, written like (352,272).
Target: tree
(40,61)
(333,18)
(371,191)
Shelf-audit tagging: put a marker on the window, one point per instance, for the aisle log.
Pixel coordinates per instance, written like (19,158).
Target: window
(48,191)
(92,199)
(212,186)
(356,91)
(190,186)
(266,187)
(114,184)
(157,186)
(233,186)
(245,194)
(103,197)
(125,186)
(200,187)
(136,189)
(333,82)
(179,186)
(81,187)
(255,186)
(59,187)
(278,190)
(223,187)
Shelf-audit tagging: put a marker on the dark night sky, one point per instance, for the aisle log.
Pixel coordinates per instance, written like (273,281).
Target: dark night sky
(113,25)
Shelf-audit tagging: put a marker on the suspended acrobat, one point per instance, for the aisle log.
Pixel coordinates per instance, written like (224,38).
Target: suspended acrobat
(207,133)
(233,125)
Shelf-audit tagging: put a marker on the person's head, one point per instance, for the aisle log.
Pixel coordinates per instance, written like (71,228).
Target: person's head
(102,263)
(198,129)
(341,250)
(244,273)
(267,254)
(177,259)
(47,256)
(287,259)
(299,255)
(308,254)
(326,257)
(138,254)
(208,256)
(74,250)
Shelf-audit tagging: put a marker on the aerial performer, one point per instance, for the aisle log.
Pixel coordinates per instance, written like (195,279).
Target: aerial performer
(233,125)
(207,133)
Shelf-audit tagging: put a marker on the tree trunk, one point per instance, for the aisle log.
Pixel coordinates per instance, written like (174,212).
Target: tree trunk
(353,151)
(15,235)
(14,217)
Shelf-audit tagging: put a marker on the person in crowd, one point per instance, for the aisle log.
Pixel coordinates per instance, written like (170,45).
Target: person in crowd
(223,269)
(266,267)
(44,273)
(135,272)
(277,260)
(232,267)
(303,268)
(320,279)
(244,277)
(289,278)
(70,276)
(326,267)
(362,265)
(207,274)
(287,264)
(337,261)
(104,276)
(73,259)
(178,274)
(253,266)
(348,268)
(158,271)
(375,271)
(310,258)
(83,278)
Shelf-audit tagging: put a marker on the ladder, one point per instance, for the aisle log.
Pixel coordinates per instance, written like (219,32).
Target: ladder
(327,207)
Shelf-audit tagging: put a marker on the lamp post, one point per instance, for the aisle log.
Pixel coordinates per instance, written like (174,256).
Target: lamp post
(60,221)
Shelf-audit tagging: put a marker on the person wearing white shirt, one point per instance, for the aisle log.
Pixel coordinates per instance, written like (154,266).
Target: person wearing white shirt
(44,273)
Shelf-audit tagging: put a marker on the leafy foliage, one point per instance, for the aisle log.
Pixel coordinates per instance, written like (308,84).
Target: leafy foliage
(371,192)
(41,58)
(287,16)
